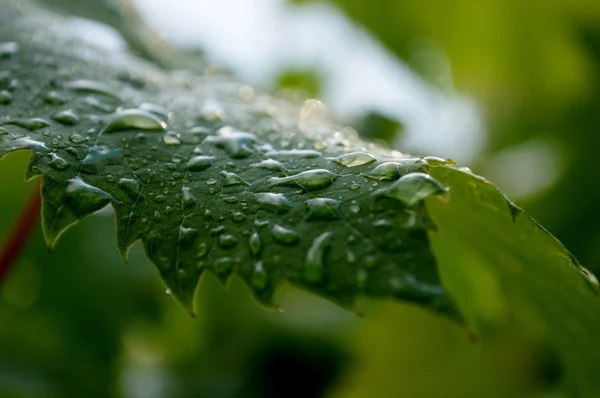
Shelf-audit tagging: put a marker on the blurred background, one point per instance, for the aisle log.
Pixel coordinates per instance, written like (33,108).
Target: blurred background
(509,88)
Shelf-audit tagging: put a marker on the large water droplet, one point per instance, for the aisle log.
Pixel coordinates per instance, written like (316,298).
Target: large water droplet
(323,209)
(172,138)
(285,236)
(233,179)
(296,153)
(5,97)
(54,98)
(133,119)
(274,202)
(200,163)
(188,199)
(410,189)
(315,257)
(255,244)
(8,49)
(91,87)
(84,198)
(235,143)
(259,279)
(130,187)
(271,165)
(187,237)
(388,171)
(227,241)
(57,163)
(308,180)
(98,157)
(66,117)
(28,124)
(354,159)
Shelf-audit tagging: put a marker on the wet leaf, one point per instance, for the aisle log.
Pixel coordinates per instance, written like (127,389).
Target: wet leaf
(210,181)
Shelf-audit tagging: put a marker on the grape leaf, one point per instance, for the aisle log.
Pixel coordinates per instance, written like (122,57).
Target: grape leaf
(213,176)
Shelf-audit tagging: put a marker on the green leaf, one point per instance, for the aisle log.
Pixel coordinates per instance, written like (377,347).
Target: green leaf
(211,176)
(503,268)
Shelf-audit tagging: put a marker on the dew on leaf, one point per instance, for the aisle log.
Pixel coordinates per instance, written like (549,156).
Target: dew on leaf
(227,241)
(66,117)
(274,202)
(232,179)
(285,236)
(295,153)
(91,87)
(235,143)
(315,257)
(75,138)
(259,278)
(130,187)
(158,110)
(8,49)
(200,163)
(323,209)
(308,180)
(271,165)
(5,97)
(412,188)
(31,124)
(57,163)
(188,199)
(133,119)
(354,159)
(187,237)
(238,217)
(25,143)
(54,98)
(388,171)
(84,198)
(202,250)
(171,138)
(255,244)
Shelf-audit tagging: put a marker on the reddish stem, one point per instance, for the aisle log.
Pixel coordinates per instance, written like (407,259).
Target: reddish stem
(20,233)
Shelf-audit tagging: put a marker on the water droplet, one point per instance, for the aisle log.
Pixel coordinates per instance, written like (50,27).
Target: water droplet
(91,87)
(3,131)
(285,236)
(57,162)
(323,209)
(387,171)
(133,119)
(354,159)
(171,138)
(200,163)
(98,157)
(211,181)
(296,153)
(260,223)
(187,237)
(8,49)
(235,143)
(176,158)
(271,165)
(188,199)
(434,161)
(130,187)
(66,117)
(354,207)
(28,124)
(227,241)
(274,202)
(83,198)
(75,138)
(24,143)
(412,188)
(54,98)
(255,244)
(307,180)
(160,198)
(217,231)
(231,200)
(5,97)
(315,257)
(238,217)
(232,179)
(202,250)
(260,279)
